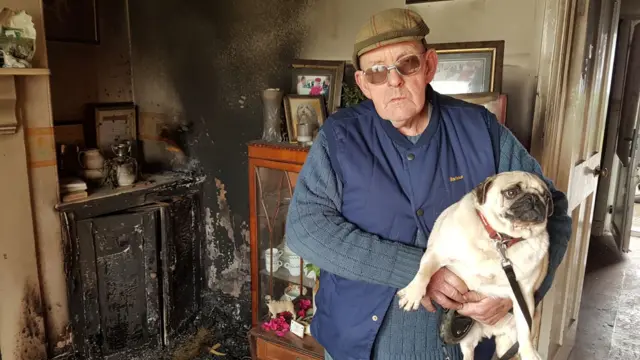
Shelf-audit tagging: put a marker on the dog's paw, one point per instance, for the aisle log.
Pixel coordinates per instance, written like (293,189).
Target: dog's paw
(411,296)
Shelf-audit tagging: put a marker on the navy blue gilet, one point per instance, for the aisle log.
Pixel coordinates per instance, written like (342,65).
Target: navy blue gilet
(392,188)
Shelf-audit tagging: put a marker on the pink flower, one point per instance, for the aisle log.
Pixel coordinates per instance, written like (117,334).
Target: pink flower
(280,333)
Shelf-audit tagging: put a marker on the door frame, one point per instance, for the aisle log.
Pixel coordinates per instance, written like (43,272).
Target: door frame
(624,193)
(563,40)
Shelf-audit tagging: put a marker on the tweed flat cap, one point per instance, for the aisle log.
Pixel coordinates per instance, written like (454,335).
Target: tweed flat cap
(389,27)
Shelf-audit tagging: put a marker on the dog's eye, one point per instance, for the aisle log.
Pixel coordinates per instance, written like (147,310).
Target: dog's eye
(511,193)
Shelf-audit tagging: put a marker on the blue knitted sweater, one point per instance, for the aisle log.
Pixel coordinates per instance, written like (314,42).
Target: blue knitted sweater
(327,240)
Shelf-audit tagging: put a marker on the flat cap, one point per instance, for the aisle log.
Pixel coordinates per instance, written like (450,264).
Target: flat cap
(388,27)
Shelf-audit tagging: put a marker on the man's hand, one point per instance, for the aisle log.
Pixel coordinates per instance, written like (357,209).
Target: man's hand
(487,310)
(445,288)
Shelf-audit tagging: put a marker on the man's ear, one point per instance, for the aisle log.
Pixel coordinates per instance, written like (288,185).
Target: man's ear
(363,84)
(431,59)
(481,190)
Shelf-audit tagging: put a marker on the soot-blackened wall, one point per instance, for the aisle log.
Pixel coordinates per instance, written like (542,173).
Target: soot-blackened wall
(198,69)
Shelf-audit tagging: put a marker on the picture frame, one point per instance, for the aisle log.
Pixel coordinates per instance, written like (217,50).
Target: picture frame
(310,106)
(310,77)
(113,123)
(469,67)
(494,102)
(71,21)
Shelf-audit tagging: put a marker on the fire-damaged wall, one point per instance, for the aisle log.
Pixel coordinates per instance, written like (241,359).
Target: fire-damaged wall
(198,69)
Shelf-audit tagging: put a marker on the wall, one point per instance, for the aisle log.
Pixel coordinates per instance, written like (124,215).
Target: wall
(630,9)
(198,69)
(22,325)
(518,22)
(85,73)
(81,74)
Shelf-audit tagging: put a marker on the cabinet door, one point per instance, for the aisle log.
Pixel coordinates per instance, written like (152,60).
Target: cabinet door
(118,263)
(180,258)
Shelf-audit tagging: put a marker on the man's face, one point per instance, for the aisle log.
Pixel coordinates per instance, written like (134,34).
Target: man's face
(400,98)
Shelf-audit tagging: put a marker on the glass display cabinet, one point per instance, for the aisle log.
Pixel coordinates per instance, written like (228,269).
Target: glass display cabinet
(281,281)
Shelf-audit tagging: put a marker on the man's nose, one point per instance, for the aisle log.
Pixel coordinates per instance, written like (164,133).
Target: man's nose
(394,78)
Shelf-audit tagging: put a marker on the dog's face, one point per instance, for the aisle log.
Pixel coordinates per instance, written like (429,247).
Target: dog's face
(516,203)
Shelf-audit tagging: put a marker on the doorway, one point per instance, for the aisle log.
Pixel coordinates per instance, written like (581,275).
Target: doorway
(608,314)
(627,146)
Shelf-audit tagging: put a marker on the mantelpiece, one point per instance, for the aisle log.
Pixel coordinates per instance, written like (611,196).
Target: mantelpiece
(9,101)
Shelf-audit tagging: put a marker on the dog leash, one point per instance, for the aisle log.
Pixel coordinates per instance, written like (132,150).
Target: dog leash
(503,242)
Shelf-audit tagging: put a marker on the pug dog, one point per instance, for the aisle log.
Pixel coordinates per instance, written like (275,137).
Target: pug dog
(510,208)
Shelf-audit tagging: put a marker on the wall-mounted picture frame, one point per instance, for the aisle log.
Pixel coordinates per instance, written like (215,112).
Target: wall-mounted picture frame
(71,21)
(319,77)
(113,123)
(494,102)
(469,67)
(303,108)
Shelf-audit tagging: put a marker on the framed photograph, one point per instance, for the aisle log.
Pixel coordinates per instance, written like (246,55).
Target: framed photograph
(303,109)
(471,67)
(71,20)
(494,102)
(114,123)
(319,77)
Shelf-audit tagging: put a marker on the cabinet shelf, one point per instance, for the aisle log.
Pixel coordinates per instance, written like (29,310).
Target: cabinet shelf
(284,275)
(24,71)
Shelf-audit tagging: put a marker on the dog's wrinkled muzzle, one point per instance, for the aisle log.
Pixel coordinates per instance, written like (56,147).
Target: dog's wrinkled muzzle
(530,208)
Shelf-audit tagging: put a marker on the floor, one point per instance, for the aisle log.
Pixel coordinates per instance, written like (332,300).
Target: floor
(609,325)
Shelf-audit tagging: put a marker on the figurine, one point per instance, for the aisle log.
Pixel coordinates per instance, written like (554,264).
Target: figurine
(278,306)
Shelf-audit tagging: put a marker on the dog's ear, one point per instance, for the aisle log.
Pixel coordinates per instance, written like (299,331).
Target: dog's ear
(549,200)
(482,189)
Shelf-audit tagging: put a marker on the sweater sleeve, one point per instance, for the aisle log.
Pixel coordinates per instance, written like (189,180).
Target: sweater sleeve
(513,156)
(317,231)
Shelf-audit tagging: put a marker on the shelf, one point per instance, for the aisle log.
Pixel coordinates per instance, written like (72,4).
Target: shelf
(284,275)
(23,72)
(306,346)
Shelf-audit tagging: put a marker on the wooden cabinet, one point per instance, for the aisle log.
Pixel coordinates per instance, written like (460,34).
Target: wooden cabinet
(273,171)
(133,265)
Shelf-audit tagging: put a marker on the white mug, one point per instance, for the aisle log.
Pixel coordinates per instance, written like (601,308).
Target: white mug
(276,265)
(272,254)
(294,269)
(293,259)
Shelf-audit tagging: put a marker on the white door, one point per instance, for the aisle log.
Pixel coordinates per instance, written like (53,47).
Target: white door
(576,66)
(627,149)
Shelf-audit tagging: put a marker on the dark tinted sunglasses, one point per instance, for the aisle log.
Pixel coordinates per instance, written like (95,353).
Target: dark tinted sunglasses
(405,66)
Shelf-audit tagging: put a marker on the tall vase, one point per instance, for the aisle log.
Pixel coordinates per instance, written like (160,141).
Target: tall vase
(272,114)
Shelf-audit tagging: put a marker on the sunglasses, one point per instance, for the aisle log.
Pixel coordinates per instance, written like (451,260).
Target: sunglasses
(405,66)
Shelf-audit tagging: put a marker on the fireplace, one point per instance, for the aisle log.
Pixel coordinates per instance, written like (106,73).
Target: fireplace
(133,266)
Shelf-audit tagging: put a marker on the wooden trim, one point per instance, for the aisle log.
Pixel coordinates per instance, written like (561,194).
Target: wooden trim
(23,72)
(553,67)
(283,152)
(271,164)
(253,240)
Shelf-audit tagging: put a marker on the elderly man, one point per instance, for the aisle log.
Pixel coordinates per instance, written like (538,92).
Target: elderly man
(374,182)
